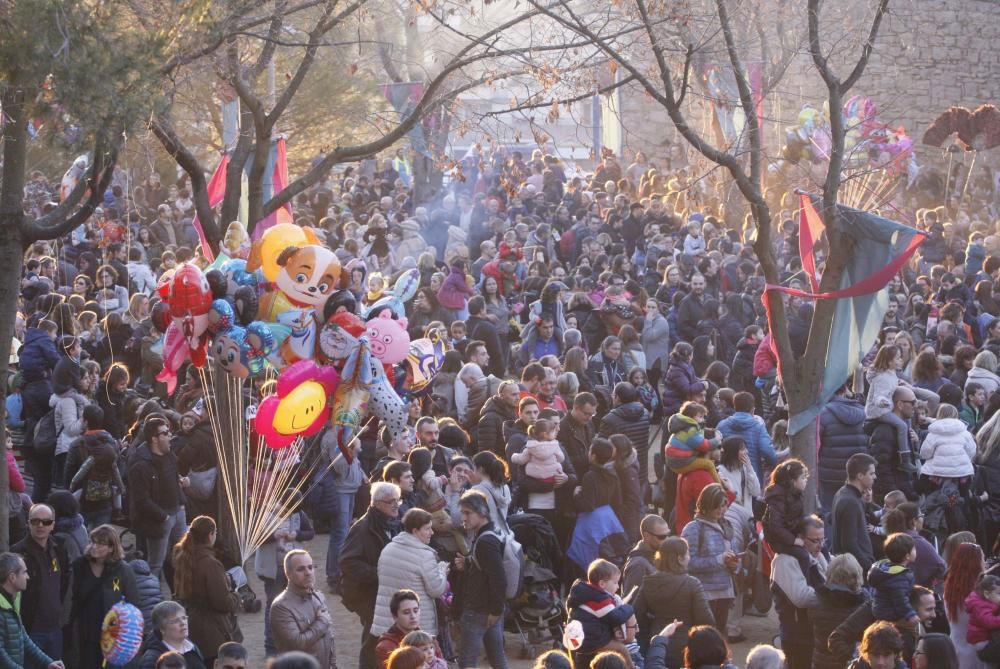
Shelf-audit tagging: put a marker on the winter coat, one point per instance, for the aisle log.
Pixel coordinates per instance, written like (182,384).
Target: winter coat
(454,291)
(603,371)
(270,557)
(764,360)
(983,618)
(38,356)
(485,581)
(489,431)
(849,527)
(638,565)
(988,481)
(707,542)
(881,386)
(785,508)
(193,659)
(16,647)
(627,471)
(489,333)
(598,612)
(834,604)
(359,561)
(408,563)
(93,596)
(929,567)
(53,563)
(540,458)
(298,623)
(795,595)
(68,409)
(841,435)
(575,438)
(883,447)
(689,486)
(632,420)
(689,314)
(892,584)
(148,588)
(498,499)
(984,377)
(948,449)
(754,433)
(665,597)
(101,446)
(154,490)
(743,481)
(680,382)
(211,605)
(656,342)
(741,375)
(599,487)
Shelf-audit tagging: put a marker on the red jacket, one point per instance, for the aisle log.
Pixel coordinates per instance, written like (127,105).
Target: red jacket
(983,618)
(764,361)
(689,486)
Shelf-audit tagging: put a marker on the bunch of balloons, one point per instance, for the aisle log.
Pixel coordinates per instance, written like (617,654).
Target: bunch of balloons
(287,310)
(868,142)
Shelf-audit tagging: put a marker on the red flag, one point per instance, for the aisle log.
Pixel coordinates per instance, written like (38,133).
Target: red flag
(810,229)
(216,191)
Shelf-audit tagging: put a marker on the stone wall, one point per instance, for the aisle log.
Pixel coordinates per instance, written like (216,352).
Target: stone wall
(930,54)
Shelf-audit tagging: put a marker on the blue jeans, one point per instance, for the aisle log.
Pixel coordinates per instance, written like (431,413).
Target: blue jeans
(50,642)
(476,634)
(157,547)
(340,523)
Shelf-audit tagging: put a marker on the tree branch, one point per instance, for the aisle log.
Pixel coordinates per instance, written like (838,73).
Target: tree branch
(51,226)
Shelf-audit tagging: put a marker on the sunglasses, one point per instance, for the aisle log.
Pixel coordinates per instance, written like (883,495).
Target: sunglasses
(46,522)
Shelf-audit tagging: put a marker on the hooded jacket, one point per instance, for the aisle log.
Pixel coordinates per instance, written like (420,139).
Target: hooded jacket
(598,612)
(984,377)
(489,432)
(754,433)
(948,449)
(38,356)
(841,435)
(68,409)
(679,382)
(892,583)
(983,618)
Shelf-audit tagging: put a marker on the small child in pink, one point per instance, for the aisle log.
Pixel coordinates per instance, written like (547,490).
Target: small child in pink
(542,454)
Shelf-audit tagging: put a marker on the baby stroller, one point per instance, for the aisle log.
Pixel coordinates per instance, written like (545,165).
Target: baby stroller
(536,615)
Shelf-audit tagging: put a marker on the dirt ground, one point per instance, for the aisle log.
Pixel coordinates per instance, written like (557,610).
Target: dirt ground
(348,629)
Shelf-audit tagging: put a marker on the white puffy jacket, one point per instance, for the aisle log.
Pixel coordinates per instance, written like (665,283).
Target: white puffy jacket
(948,449)
(408,563)
(984,377)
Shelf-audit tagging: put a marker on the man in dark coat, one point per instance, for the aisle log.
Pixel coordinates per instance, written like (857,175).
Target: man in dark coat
(629,417)
(48,581)
(884,448)
(576,431)
(849,525)
(841,435)
(498,410)
(692,309)
(481,329)
(16,647)
(359,561)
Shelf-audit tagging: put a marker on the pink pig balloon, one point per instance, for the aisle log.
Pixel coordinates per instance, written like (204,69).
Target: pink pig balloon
(388,339)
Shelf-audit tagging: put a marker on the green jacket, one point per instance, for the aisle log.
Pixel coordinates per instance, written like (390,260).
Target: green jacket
(971,417)
(17,650)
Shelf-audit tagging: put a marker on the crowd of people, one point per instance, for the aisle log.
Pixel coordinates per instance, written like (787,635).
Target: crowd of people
(607,429)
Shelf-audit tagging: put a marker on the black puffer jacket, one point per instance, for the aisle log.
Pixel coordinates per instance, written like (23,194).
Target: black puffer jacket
(664,597)
(632,420)
(741,377)
(841,435)
(489,432)
(836,604)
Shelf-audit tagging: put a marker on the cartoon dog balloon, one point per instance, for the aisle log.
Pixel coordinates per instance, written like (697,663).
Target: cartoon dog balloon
(300,405)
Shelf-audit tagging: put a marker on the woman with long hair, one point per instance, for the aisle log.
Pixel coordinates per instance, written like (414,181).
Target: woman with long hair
(497,310)
(101,578)
(964,570)
(632,352)
(576,362)
(928,372)
(735,468)
(680,381)
(667,595)
(201,584)
(490,476)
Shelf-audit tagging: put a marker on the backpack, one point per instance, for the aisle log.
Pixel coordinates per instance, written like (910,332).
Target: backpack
(45,434)
(513,562)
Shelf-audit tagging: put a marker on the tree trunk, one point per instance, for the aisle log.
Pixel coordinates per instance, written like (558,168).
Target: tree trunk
(805,448)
